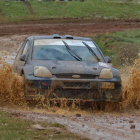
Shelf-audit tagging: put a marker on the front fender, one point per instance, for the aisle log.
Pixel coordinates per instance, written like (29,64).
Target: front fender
(28,69)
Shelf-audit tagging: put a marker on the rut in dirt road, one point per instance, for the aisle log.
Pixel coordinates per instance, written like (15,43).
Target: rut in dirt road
(1,12)
(27,3)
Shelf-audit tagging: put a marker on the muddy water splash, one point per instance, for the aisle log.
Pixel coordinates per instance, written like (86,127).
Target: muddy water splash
(12,94)
(131,86)
(11,85)
(130,92)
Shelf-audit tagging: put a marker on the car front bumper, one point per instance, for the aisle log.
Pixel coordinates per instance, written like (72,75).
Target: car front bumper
(73,89)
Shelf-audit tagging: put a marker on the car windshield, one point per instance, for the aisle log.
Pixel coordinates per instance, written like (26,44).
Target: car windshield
(56,49)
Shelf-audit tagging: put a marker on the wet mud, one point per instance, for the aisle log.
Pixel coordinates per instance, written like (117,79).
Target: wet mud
(95,126)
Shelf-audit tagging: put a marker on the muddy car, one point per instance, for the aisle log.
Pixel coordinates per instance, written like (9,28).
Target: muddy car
(66,67)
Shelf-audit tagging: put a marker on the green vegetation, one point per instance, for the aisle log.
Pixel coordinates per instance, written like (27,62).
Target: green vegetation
(14,128)
(18,11)
(120,46)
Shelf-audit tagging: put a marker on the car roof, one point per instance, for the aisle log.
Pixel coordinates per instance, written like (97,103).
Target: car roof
(57,36)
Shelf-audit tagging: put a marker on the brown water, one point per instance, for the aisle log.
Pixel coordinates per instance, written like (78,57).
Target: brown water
(131,86)
(11,85)
(12,93)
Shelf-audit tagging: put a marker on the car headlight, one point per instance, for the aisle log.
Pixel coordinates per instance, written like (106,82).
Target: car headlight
(106,74)
(40,71)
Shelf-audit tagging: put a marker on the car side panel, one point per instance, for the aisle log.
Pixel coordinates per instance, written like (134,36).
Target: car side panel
(18,64)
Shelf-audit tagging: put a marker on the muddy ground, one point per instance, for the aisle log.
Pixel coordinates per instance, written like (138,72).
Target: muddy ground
(78,28)
(99,125)
(95,126)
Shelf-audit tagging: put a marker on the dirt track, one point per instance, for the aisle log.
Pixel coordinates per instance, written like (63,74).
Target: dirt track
(78,28)
(98,126)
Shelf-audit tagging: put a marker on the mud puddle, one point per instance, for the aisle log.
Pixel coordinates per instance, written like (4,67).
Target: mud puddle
(113,121)
(98,126)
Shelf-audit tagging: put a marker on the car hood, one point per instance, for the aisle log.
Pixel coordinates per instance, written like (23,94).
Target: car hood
(75,67)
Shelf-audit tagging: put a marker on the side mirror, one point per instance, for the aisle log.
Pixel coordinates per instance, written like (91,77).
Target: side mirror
(108,59)
(23,57)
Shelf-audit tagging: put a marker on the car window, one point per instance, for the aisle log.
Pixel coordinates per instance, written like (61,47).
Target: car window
(27,45)
(23,49)
(55,49)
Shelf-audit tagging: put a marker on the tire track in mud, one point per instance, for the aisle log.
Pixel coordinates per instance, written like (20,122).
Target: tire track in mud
(27,3)
(1,12)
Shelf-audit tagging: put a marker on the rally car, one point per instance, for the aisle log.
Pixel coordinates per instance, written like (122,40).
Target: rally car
(68,67)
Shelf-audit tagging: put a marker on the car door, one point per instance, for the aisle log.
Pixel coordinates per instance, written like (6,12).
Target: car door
(18,63)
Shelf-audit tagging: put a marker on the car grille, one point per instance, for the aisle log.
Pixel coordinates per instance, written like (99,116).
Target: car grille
(75,94)
(81,85)
(82,76)
(71,94)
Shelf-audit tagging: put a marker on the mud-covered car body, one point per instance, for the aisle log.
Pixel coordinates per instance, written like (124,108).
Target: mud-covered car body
(66,67)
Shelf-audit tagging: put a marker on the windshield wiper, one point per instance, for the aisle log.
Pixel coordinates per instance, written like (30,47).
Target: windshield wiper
(90,49)
(71,52)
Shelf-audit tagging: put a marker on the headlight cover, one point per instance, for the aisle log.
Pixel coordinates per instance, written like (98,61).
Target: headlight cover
(40,71)
(106,74)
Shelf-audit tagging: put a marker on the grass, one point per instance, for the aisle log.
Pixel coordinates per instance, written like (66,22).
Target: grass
(18,11)
(120,46)
(14,128)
